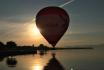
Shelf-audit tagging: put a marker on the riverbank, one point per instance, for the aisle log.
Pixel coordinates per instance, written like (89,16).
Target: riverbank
(33,50)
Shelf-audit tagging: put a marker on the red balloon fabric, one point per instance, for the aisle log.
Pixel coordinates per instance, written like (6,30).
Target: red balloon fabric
(53,23)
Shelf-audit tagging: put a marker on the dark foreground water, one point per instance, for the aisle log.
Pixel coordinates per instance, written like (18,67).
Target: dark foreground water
(66,59)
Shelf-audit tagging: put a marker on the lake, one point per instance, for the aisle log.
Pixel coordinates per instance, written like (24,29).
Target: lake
(92,59)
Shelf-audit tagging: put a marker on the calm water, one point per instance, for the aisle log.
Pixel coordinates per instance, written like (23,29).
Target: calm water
(67,59)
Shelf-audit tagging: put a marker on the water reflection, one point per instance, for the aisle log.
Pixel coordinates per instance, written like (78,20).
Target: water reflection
(37,67)
(38,64)
(71,69)
(53,64)
(78,60)
(1,58)
(11,61)
(42,52)
(41,61)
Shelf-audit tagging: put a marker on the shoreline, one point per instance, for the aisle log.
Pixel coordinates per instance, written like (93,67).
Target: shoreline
(33,50)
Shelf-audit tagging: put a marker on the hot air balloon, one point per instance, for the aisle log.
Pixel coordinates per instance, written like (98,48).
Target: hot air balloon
(52,23)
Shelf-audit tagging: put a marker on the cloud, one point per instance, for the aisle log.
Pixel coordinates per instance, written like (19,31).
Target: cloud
(16,19)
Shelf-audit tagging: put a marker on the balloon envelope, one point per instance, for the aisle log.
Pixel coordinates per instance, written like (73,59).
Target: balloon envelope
(53,23)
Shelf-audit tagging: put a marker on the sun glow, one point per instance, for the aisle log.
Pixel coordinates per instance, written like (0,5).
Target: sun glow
(36,35)
(36,31)
(37,67)
(33,30)
(33,34)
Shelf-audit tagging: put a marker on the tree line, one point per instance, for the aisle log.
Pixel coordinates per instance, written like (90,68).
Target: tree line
(12,44)
(8,44)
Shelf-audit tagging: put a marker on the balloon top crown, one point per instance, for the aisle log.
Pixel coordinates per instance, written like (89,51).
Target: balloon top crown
(52,10)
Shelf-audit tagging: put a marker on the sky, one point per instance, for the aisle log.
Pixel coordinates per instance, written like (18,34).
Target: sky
(86,27)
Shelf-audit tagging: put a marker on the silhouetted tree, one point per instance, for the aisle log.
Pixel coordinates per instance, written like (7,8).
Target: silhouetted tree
(42,47)
(1,44)
(11,44)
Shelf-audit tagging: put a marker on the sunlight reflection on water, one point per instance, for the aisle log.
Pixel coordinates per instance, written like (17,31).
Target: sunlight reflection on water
(37,67)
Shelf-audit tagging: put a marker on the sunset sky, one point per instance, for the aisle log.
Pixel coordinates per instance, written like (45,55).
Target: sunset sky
(17,21)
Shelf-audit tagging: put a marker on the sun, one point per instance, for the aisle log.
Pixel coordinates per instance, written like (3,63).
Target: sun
(36,31)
